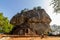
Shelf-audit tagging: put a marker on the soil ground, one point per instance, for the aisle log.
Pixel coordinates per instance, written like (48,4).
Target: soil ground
(4,37)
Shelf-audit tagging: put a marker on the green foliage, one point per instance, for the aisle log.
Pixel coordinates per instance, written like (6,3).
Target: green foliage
(24,10)
(5,26)
(34,8)
(56,5)
(37,8)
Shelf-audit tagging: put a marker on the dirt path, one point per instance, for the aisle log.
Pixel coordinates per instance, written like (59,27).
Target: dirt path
(29,38)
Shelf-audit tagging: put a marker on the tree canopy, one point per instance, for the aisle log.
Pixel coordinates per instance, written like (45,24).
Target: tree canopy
(56,5)
(5,26)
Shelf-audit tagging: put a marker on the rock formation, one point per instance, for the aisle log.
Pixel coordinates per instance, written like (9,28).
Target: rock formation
(31,22)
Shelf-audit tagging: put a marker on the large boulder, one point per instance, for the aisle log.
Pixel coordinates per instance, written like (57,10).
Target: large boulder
(36,21)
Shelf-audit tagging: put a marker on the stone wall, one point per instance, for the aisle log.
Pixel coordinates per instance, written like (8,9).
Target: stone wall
(37,21)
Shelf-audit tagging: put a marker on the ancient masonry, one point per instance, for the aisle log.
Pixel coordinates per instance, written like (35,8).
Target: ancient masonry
(31,22)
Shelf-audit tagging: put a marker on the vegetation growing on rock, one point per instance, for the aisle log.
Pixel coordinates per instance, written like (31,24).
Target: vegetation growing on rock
(34,21)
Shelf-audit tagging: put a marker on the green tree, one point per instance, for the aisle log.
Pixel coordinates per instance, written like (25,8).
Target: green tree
(56,5)
(5,26)
(37,8)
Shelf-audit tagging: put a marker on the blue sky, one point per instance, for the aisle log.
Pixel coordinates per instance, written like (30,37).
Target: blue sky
(11,7)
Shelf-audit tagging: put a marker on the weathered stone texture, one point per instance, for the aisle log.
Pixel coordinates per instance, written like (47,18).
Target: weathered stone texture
(37,21)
